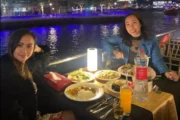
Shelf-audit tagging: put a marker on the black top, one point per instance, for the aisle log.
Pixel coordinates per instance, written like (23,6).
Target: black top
(131,57)
(47,98)
(18,97)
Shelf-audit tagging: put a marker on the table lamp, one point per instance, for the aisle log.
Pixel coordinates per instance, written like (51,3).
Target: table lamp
(92,59)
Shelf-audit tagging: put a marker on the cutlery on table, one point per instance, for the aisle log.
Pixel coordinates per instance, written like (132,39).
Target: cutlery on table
(98,104)
(100,109)
(106,114)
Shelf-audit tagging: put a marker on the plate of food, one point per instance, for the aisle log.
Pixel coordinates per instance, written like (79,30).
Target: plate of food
(80,76)
(106,75)
(126,68)
(114,85)
(84,92)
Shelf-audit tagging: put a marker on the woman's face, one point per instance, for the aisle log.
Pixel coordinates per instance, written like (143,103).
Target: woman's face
(133,26)
(24,49)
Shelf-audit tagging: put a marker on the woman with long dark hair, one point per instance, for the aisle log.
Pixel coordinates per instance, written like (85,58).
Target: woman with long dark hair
(18,87)
(133,37)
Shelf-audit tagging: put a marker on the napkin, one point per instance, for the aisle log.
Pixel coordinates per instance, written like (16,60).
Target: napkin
(57,81)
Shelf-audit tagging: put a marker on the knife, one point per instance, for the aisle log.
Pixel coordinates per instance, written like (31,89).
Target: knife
(100,109)
(97,103)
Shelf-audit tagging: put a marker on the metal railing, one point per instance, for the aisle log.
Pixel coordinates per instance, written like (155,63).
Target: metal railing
(170,50)
(67,59)
(165,33)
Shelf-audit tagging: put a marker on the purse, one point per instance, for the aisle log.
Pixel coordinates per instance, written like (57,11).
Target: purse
(57,81)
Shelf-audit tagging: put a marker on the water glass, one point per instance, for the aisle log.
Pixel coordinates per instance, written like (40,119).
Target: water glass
(118,111)
(106,62)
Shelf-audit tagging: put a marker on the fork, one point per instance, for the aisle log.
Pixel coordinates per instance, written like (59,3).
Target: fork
(103,102)
(98,103)
(102,108)
(106,114)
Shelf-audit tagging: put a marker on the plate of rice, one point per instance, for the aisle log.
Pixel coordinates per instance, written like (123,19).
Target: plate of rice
(84,92)
(107,75)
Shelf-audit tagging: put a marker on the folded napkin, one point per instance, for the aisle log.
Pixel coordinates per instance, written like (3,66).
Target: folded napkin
(57,81)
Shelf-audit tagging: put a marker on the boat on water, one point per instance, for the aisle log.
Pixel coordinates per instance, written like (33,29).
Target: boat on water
(171,11)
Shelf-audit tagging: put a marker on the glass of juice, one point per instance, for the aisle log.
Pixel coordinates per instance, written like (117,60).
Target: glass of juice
(126,98)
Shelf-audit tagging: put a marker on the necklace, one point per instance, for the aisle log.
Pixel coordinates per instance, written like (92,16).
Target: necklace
(137,38)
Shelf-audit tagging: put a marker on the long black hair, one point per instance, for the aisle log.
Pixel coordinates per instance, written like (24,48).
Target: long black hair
(127,38)
(13,42)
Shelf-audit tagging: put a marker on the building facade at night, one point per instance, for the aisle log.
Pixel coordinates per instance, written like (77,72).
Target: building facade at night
(28,7)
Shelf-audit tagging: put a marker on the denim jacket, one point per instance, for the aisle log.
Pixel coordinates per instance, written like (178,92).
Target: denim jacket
(150,47)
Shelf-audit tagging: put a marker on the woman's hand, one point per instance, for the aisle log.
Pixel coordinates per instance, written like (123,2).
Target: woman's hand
(118,54)
(37,49)
(172,75)
(151,73)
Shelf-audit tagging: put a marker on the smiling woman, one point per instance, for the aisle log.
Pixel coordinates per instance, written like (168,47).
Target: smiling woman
(25,48)
(21,45)
(20,81)
(134,37)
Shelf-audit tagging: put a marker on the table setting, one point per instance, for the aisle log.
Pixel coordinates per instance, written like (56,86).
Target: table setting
(96,92)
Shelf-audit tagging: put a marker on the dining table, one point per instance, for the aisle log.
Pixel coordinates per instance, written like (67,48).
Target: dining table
(159,106)
(164,105)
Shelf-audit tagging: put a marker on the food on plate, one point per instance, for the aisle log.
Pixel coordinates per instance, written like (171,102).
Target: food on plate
(79,75)
(82,92)
(127,67)
(117,84)
(108,74)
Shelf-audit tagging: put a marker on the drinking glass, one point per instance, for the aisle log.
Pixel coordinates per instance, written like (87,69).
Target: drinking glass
(118,111)
(126,74)
(106,62)
(126,99)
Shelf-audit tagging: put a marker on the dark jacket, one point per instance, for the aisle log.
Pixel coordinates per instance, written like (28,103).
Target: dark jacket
(48,100)
(18,96)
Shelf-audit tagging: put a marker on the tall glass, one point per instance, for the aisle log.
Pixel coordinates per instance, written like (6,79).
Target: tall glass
(106,61)
(118,111)
(126,99)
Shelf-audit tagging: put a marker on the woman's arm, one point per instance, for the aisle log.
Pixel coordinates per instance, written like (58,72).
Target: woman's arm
(159,64)
(157,59)
(108,45)
(40,60)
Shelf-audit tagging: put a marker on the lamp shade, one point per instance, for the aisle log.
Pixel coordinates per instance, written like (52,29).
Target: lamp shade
(92,59)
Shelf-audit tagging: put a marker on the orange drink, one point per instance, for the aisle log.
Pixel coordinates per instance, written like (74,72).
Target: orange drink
(125,99)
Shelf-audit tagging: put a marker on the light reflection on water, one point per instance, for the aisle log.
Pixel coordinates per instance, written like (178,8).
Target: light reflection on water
(72,39)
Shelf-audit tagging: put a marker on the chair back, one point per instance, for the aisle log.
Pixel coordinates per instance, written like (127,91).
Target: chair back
(170,49)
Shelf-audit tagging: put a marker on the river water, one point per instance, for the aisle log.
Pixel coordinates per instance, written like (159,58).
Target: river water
(73,39)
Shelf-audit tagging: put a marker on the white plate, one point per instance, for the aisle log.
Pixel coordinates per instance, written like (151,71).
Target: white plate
(108,85)
(122,73)
(77,81)
(117,75)
(82,96)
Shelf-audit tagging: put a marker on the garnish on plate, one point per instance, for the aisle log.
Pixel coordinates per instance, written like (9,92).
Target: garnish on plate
(79,75)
